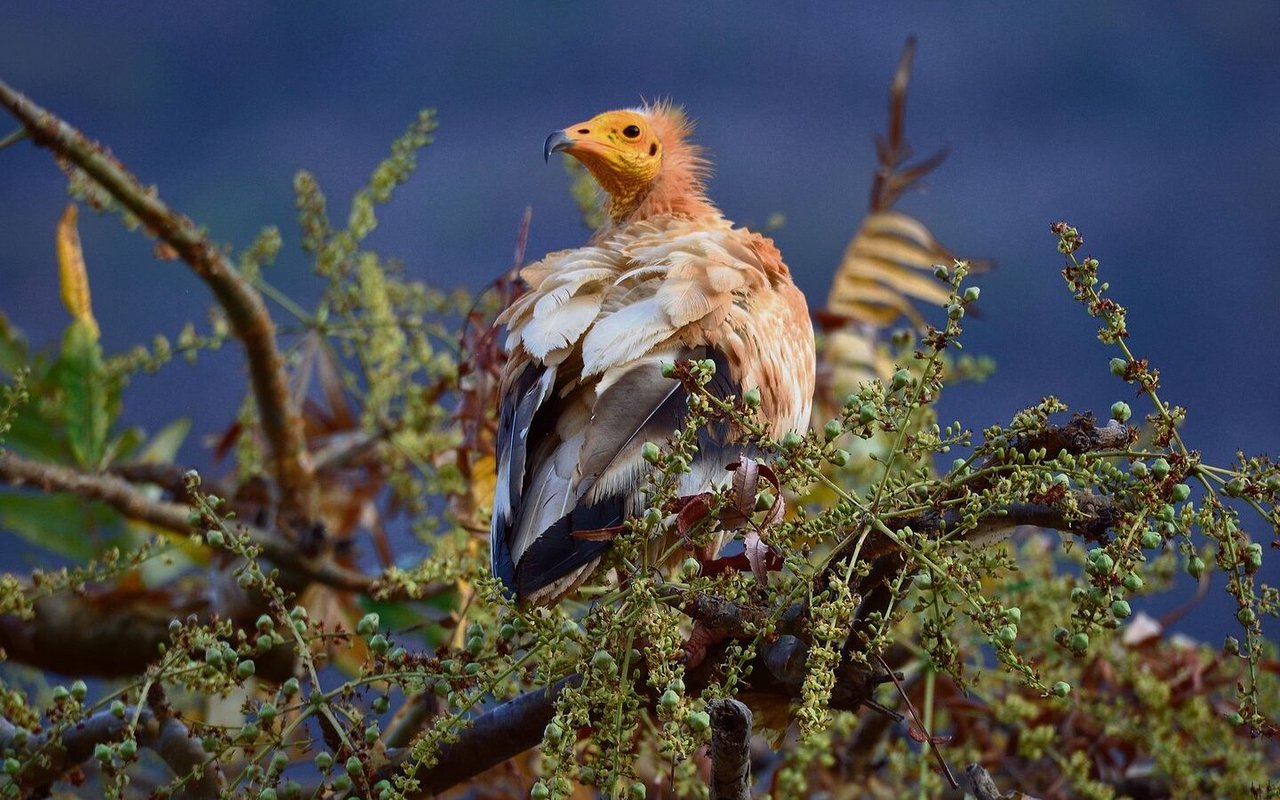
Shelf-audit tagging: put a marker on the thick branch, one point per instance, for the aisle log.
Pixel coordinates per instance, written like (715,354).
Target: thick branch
(517,725)
(135,505)
(495,736)
(245,309)
(157,730)
(730,750)
(117,633)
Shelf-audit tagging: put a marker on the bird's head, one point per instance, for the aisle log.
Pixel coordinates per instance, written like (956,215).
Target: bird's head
(632,152)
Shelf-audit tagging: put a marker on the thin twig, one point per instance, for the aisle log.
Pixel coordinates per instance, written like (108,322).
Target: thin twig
(250,320)
(928,737)
(136,505)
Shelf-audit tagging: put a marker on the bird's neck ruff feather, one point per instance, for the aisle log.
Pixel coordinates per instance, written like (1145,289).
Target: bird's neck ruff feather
(679,187)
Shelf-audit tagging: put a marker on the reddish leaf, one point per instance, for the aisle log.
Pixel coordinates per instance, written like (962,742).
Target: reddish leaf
(598,534)
(746,477)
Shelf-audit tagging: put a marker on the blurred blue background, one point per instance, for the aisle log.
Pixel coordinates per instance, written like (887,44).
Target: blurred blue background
(1152,127)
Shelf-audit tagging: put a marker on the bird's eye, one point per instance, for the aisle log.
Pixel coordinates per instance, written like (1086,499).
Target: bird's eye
(631,131)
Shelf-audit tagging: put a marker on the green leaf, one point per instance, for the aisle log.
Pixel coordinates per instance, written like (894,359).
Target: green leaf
(33,435)
(84,381)
(58,523)
(13,347)
(122,446)
(163,447)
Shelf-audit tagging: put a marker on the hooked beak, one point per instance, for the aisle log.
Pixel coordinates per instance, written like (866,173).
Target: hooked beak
(556,143)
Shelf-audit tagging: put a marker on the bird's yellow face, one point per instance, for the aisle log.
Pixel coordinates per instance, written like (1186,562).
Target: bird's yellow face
(620,148)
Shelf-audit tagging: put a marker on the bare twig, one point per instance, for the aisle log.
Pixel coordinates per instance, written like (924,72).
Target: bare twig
(157,729)
(730,750)
(892,179)
(135,505)
(929,739)
(245,308)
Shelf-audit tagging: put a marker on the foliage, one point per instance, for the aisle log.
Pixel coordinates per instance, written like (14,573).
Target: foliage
(866,575)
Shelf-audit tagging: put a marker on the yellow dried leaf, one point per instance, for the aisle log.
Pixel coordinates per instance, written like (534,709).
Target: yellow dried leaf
(72,275)
(484,481)
(886,268)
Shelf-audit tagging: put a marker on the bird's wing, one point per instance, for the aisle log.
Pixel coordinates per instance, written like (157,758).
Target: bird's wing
(584,390)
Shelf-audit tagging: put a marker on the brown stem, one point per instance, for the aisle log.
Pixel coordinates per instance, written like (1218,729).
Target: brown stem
(246,311)
(135,505)
(157,729)
(730,750)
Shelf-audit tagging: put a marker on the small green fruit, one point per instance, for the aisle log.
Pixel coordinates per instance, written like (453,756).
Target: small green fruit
(1007,634)
(752,398)
(900,378)
(1121,412)
(972,294)
(1120,609)
(368,624)
(1195,566)
(669,700)
(1079,642)
(698,721)
(840,457)
(1118,367)
(553,732)
(650,452)
(1181,492)
(1151,539)
(1133,581)
(832,429)
(1061,689)
(867,413)
(1160,468)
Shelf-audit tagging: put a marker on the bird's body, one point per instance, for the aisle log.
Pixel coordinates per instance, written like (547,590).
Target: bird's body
(666,278)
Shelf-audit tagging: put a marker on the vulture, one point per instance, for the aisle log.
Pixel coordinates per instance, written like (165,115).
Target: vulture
(665,278)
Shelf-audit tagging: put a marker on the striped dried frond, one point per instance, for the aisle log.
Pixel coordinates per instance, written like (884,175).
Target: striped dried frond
(887,268)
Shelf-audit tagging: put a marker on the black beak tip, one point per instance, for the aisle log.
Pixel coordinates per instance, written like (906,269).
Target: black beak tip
(555,143)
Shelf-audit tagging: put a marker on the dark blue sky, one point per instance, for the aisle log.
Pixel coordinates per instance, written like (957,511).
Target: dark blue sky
(1153,127)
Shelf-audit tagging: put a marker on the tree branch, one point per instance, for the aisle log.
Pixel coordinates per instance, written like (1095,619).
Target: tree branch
(245,308)
(157,729)
(135,505)
(730,750)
